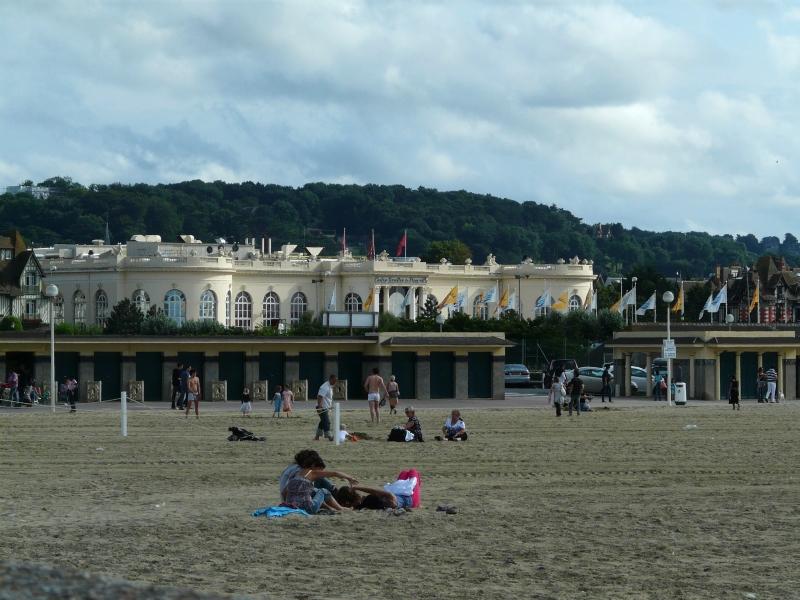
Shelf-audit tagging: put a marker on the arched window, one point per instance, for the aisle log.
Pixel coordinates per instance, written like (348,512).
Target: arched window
(175,306)
(79,308)
(228,309)
(141,299)
(208,306)
(298,306)
(272,309)
(100,308)
(352,303)
(479,308)
(243,311)
(541,308)
(575,303)
(58,309)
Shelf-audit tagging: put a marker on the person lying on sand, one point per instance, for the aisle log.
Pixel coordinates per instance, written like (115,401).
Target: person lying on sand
(376,498)
(310,459)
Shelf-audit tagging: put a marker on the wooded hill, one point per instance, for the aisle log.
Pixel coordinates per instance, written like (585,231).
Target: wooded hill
(317,213)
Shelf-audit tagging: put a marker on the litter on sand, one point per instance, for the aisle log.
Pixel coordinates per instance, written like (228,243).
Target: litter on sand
(690,426)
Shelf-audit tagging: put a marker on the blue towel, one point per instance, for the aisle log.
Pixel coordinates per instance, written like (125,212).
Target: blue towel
(273,512)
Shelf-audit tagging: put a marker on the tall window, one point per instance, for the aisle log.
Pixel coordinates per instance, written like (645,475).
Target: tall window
(175,306)
(31,309)
(228,309)
(100,308)
(208,306)
(58,309)
(243,310)
(575,303)
(272,309)
(541,311)
(31,278)
(479,308)
(299,305)
(352,303)
(79,308)
(141,300)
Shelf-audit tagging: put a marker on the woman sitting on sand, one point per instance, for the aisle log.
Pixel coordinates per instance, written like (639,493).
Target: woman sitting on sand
(413,424)
(301,492)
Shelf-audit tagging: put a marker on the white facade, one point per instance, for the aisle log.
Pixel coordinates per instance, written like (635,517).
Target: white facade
(37,191)
(237,284)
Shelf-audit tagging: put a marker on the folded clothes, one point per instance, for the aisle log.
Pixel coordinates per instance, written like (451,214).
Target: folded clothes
(273,512)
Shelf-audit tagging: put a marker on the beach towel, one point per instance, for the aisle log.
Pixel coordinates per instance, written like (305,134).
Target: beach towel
(416,496)
(273,512)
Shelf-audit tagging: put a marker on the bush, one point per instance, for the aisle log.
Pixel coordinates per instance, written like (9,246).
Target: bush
(73,329)
(158,324)
(125,319)
(10,323)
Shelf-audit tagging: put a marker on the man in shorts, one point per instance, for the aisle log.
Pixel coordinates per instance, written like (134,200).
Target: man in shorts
(375,386)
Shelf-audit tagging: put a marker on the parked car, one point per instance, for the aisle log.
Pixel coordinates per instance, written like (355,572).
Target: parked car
(517,375)
(593,379)
(568,364)
(639,379)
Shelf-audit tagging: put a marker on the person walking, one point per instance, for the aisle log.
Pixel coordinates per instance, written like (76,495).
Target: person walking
(733,393)
(605,380)
(575,389)
(324,404)
(557,389)
(13,384)
(375,388)
(659,388)
(72,393)
(288,400)
(183,386)
(772,384)
(247,406)
(176,384)
(277,401)
(193,393)
(393,391)
(761,385)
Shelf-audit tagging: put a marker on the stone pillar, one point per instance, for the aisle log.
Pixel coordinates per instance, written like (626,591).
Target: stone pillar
(781,382)
(412,310)
(619,376)
(211,373)
(649,367)
(627,375)
(790,378)
(167,364)
(292,368)
(331,366)
(128,370)
(717,375)
(41,371)
(739,369)
(423,377)
(250,371)
(461,377)
(3,365)
(386,290)
(85,373)
(498,377)
(691,392)
(761,359)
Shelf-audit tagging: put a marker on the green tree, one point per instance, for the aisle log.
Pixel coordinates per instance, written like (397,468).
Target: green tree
(429,311)
(125,319)
(456,251)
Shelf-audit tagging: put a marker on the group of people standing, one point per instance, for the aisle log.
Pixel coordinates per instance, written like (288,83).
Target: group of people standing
(186,389)
(766,388)
(569,392)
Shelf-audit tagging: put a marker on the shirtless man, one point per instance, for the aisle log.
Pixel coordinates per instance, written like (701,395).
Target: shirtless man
(374,386)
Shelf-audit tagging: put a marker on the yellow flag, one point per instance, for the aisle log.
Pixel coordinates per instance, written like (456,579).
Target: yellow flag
(368,301)
(563,301)
(503,299)
(449,299)
(588,302)
(755,300)
(678,306)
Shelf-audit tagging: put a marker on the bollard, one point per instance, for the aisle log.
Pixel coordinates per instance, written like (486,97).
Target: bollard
(123,413)
(337,422)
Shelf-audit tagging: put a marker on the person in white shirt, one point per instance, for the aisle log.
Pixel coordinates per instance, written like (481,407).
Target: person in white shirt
(454,428)
(324,404)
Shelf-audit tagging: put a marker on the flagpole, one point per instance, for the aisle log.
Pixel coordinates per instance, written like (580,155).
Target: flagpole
(405,246)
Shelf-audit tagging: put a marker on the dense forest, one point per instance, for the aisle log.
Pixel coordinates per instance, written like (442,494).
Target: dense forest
(318,213)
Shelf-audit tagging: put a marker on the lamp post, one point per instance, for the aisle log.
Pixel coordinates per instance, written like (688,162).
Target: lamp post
(440,320)
(635,299)
(51,292)
(668,297)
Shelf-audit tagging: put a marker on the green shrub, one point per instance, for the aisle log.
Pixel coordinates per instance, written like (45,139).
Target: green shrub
(9,323)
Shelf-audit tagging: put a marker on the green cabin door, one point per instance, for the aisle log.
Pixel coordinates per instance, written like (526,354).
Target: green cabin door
(271,368)
(231,369)
(107,368)
(479,377)
(442,375)
(312,368)
(727,369)
(349,367)
(66,365)
(149,370)
(404,369)
(747,386)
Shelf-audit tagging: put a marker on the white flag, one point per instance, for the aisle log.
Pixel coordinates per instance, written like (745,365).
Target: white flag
(706,306)
(512,302)
(332,301)
(722,298)
(649,305)
(409,299)
(491,295)
(545,300)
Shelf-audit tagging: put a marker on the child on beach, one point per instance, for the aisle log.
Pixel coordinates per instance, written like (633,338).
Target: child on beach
(288,401)
(277,401)
(247,406)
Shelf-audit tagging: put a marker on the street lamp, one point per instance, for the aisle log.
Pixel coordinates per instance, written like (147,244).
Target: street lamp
(51,292)
(668,298)
(440,320)
(635,300)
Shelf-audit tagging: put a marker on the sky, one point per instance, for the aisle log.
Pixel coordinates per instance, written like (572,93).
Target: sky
(677,115)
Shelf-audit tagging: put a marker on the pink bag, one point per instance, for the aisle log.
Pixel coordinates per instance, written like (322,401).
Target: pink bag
(416,496)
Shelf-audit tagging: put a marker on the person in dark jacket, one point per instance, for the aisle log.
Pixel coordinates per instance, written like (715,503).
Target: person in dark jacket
(176,384)
(733,393)
(575,389)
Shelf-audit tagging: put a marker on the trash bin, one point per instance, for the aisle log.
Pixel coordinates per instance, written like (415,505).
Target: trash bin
(680,394)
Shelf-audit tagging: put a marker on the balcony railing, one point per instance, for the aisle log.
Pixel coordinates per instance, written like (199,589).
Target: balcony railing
(31,290)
